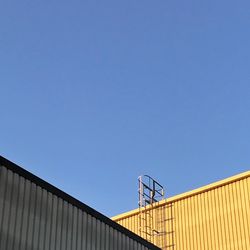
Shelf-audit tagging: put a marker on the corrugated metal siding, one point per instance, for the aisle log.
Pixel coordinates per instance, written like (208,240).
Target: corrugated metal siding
(33,218)
(214,218)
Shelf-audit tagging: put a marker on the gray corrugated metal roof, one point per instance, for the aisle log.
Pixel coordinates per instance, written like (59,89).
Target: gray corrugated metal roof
(30,198)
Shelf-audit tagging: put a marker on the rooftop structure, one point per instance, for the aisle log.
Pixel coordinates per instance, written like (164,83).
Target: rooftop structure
(216,216)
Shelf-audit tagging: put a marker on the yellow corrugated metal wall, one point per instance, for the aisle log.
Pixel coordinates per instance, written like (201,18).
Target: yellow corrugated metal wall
(213,217)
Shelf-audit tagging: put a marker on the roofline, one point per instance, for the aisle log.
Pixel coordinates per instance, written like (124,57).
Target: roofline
(185,195)
(54,190)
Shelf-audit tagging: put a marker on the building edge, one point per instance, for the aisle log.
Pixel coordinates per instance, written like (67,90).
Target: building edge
(187,194)
(61,194)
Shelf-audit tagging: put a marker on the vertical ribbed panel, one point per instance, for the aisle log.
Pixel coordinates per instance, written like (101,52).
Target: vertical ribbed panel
(212,218)
(31,218)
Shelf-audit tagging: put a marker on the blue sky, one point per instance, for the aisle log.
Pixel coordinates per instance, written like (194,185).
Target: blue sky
(95,93)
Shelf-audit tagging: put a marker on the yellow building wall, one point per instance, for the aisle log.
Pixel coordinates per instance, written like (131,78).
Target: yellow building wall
(216,216)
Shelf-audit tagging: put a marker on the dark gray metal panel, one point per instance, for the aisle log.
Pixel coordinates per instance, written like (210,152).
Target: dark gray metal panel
(32,218)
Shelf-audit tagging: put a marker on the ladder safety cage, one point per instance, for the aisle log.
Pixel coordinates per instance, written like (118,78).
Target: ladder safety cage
(151,223)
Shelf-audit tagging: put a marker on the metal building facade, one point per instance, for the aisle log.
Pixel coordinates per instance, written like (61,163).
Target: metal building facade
(213,217)
(35,215)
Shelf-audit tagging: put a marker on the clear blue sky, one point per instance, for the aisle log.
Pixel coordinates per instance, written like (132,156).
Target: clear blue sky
(95,93)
